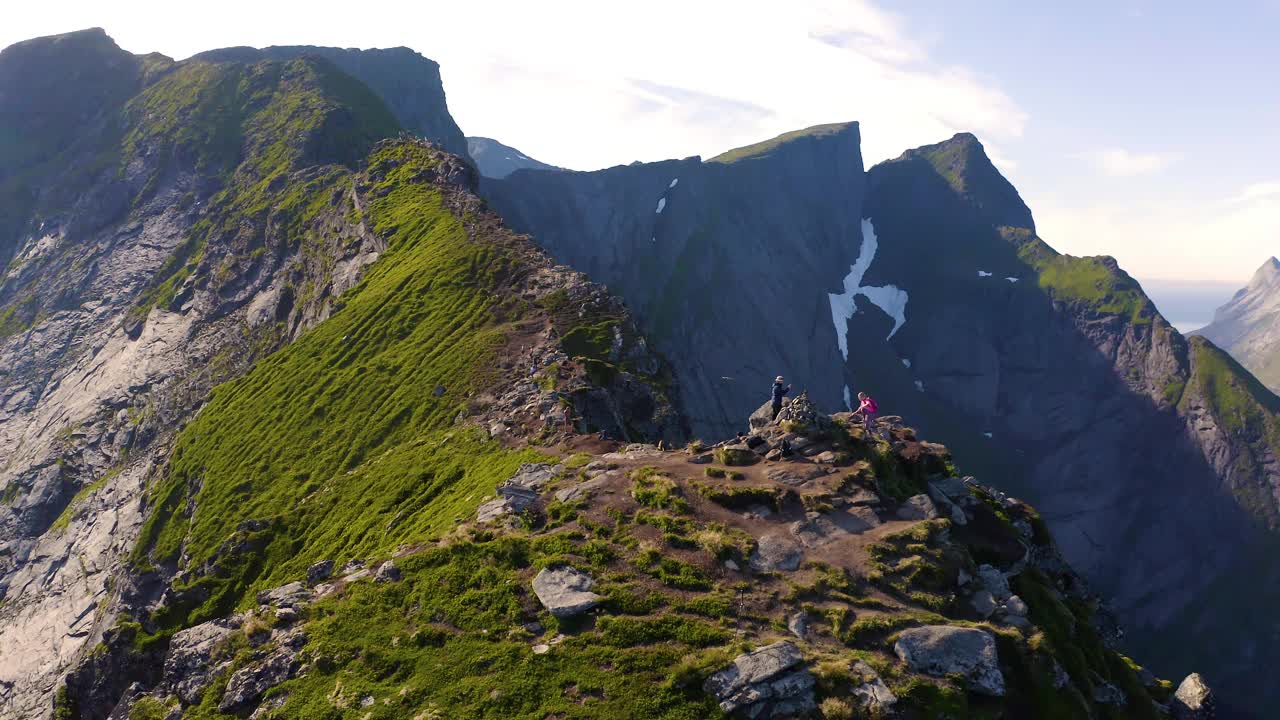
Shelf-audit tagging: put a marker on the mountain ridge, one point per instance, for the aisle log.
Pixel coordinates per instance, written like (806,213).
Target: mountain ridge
(1245,325)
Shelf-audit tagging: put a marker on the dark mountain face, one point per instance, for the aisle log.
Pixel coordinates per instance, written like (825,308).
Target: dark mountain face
(727,262)
(407,82)
(1248,326)
(495,160)
(923,282)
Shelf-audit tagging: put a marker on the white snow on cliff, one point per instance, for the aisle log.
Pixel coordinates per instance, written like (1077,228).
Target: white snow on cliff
(889,298)
(662,202)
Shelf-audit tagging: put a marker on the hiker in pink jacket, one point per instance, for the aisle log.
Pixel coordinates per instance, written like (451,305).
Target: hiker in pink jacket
(868,409)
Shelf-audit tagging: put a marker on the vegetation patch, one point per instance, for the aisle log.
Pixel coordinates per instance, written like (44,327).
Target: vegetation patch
(654,489)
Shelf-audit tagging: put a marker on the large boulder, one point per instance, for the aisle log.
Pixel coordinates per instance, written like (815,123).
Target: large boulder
(761,418)
(942,650)
(917,507)
(565,591)
(775,552)
(1193,699)
(762,683)
(250,682)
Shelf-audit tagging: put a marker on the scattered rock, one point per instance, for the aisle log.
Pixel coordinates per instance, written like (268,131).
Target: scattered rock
(755,681)
(823,528)
(983,603)
(773,455)
(942,650)
(826,457)
(351,566)
(774,552)
(286,615)
(387,572)
(1193,699)
(292,595)
(702,459)
(319,572)
(541,649)
(735,455)
(1015,606)
(438,391)
(874,696)
(731,565)
(995,582)
(565,591)
(798,624)
(917,507)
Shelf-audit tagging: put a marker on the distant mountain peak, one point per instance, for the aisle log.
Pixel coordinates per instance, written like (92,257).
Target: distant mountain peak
(1265,275)
(963,162)
(496,160)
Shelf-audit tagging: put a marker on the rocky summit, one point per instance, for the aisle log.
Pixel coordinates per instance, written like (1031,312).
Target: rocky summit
(304,413)
(1248,326)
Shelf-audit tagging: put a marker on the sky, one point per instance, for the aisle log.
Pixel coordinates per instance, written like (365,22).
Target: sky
(1149,131)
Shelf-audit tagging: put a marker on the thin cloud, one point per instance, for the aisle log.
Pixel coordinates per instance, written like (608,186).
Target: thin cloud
(1118,162)
(1257,191)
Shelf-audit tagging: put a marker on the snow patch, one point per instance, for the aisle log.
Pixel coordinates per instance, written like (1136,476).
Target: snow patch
(986,434)
(673,183)
(889,298)
(920,385)
(848,403)
(983,273)
(653,239)
(1012,279)
(906,363)
(662,202)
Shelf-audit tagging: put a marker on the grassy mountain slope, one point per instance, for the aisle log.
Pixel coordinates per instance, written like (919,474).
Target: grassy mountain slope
(459,634)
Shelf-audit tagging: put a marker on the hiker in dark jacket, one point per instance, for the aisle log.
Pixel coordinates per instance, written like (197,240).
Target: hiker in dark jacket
(779,390)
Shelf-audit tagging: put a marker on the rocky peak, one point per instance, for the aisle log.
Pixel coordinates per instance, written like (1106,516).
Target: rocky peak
(407,82)
(51,88)
(963,163)
(496,160)
(1266,276)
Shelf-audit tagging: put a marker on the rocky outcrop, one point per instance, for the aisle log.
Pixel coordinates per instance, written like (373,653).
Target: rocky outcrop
(943,650)
(565,591)
(764,684)
(1193,700)
(1248,326)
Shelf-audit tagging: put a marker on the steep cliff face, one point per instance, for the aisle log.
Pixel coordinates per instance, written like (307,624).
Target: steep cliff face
(1054,374)
(407,82)
(726,263)
(495,160)
(1248,326)
(174,223)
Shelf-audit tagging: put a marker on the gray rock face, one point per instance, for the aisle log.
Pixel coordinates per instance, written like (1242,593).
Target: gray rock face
(756,685)
(941,650)
(774,553)
(250,682)
(319,572)
(565,591)
(188,667)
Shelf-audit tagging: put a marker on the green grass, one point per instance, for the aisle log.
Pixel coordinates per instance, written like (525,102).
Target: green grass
(445,642)
(767,147)
(1093,282)
(653,489)
(337,443)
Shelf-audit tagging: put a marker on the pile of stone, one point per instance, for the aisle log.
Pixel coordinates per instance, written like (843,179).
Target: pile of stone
(764,683)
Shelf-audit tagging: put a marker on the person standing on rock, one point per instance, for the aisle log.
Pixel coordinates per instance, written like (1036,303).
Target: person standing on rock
(868,408)
(779,390)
